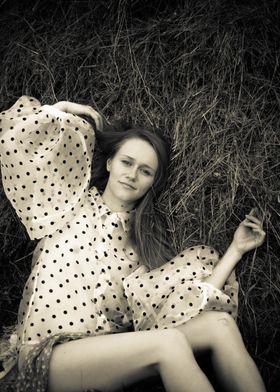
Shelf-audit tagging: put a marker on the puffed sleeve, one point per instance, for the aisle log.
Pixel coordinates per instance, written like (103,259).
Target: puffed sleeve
(176,292)
(45,163)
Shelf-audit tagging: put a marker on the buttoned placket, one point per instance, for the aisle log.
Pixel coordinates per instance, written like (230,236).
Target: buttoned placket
(107,223)
(106,226)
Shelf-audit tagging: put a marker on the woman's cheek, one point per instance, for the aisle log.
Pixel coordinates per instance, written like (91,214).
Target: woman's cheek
(148,184)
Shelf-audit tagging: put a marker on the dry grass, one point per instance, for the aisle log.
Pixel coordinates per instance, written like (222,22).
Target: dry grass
(207,72)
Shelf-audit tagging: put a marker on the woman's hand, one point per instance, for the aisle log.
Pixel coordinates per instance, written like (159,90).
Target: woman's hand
(78,109)
(249,234)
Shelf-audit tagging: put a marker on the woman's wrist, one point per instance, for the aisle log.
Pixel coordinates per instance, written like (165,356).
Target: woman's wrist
(235,253)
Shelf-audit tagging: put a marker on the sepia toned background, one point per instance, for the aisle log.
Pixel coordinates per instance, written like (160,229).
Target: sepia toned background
(207,73)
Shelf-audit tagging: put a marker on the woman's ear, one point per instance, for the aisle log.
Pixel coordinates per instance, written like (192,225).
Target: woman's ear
(108,164)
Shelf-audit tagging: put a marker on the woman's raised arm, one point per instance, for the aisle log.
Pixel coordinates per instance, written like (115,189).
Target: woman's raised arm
(248,236)
(46,153)
(78,109)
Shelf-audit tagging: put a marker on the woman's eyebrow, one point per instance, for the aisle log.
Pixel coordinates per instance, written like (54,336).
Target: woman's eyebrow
(132,159)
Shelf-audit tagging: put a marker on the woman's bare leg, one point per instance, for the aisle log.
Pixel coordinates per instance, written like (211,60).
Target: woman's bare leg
(234,367)
(110,362)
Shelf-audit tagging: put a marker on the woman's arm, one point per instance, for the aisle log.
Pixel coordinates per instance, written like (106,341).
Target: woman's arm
(78,109)
(249,235)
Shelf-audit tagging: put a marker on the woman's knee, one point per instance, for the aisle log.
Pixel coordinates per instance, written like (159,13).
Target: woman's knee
(173,342)
(222,328)
(223,318)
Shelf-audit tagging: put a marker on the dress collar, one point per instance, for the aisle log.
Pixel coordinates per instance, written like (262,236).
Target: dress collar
(107,215)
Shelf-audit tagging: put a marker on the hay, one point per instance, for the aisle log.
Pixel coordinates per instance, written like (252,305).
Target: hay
(207,73)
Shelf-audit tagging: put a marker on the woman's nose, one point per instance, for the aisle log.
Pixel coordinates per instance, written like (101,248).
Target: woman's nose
(132,174)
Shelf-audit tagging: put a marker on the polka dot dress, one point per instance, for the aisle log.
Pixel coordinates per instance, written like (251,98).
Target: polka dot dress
(78,268)
(86,278)
(176,292)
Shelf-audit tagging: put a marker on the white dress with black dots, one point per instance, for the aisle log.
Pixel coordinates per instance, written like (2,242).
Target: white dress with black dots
(86,278)
(176,292)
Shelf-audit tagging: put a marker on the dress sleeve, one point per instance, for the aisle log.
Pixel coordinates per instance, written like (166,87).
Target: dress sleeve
(176,292)
(45,163)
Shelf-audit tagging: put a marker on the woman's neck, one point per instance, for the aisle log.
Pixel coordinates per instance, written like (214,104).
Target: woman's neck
(114,204)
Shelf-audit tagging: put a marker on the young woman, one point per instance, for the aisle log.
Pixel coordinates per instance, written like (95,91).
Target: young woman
(106,304)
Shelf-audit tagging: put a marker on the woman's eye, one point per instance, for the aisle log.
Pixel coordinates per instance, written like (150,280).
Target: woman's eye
(125,162)
(146,172)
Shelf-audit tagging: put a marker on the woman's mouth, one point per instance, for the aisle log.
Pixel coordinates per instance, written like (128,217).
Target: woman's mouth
(127,186)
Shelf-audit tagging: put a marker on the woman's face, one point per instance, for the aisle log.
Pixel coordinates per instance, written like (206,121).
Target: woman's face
(132,172)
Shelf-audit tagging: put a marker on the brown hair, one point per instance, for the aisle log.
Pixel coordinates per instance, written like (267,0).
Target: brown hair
(148,230)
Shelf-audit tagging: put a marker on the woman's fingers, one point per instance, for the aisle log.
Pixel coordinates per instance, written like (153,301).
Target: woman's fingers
(259,239)
(259,234)
(250,234)
(256,228)
(251,225)
(78,109)
(96,117)
(254,219)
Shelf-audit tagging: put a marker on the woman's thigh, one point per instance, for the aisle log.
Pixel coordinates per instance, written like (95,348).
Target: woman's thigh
(104,362)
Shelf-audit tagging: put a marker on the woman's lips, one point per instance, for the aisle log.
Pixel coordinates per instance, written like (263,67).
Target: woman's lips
(127,186)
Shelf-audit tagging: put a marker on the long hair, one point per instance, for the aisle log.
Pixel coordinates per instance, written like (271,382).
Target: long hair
(148,231)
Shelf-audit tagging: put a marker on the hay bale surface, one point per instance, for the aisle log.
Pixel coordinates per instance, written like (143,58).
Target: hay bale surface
(207,73)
